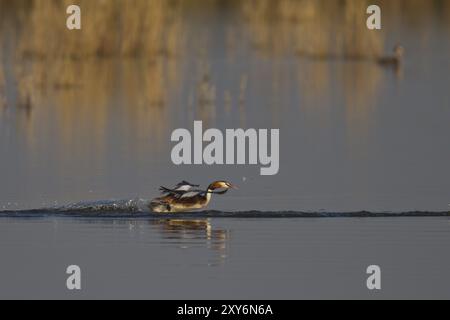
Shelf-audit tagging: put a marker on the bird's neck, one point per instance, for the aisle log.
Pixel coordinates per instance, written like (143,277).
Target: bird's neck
(208,195)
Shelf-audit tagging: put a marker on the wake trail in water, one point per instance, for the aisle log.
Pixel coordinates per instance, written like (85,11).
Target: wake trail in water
(138,208)
(118,206)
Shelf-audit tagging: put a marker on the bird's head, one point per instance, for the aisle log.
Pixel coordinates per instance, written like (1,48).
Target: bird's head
(220,187)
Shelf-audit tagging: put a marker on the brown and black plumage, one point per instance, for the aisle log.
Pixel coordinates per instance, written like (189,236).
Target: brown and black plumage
(187,197)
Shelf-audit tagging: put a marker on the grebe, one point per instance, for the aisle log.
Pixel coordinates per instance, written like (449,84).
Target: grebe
(183,197)
(394,60)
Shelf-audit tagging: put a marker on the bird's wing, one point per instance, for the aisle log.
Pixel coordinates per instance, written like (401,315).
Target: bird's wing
(185,184)
(165,190)
(179,188)
(192,194)
(184,187)
(179,194)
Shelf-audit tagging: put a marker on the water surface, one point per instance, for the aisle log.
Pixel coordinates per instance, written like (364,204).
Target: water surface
(225,258)
(364,150)
(88,116)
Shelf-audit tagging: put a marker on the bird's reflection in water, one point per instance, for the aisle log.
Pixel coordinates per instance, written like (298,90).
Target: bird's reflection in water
(181,233)
(189,232)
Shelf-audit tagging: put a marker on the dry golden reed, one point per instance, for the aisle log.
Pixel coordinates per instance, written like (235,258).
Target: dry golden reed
(141,47)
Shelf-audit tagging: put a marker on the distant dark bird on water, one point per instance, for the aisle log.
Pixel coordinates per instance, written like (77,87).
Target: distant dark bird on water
(394,60)
(185,197)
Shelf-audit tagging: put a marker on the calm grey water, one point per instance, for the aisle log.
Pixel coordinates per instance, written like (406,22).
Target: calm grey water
(226,258)
(353,136)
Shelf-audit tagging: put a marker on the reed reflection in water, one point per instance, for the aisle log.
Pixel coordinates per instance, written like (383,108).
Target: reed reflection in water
(185,234)
(88,115)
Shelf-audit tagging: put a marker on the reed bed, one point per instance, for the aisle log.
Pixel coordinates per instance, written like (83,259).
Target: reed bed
(141,46)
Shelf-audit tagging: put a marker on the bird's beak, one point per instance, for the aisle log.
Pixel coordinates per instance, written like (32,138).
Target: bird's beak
(232,186)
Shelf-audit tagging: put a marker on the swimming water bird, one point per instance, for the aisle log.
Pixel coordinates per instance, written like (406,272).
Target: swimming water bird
(394,60)
(185,197)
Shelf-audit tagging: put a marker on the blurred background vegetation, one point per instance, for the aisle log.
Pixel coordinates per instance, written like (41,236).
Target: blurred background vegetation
(142,45)
(159,29)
